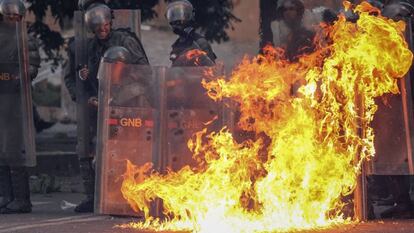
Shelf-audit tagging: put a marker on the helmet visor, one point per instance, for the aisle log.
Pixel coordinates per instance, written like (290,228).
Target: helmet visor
(12,7)
(179,11)
(97,16)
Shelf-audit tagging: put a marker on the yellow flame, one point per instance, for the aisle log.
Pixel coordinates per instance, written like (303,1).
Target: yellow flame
(311,120)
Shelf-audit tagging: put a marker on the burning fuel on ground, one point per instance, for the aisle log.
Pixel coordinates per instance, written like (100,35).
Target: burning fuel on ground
(311,121)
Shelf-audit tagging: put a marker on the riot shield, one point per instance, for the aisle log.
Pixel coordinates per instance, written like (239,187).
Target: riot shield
(147,115)
(184,110)
(394,139)
(188,111)
(126,129)
(313,15)
(16,116)
(393,143)
(86,120)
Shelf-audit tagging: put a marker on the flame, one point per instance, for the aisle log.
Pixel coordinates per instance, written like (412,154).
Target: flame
(194,56)
(311,119)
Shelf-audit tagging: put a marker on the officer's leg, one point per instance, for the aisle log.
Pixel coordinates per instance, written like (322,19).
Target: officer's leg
(88,177)
(6,191)
(87,169)
(21,192)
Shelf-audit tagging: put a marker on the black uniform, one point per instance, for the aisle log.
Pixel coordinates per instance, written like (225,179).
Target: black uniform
(14,179)
(299,41)
(96,50)
(192,50)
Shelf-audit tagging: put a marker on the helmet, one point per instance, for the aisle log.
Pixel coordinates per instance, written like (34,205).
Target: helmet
(83,5)
(297,4)
(181,10)
(97,15)
(117,54)
(8,7)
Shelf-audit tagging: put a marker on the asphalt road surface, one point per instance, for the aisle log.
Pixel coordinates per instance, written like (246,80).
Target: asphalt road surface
(54,214)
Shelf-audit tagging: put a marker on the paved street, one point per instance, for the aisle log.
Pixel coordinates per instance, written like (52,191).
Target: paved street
(48,216)
(54,214)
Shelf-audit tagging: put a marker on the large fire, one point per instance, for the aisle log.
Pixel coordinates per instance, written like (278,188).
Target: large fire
(311,120)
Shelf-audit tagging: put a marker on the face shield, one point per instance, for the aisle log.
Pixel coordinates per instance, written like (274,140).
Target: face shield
(12,10)
(98,16)
(180,11)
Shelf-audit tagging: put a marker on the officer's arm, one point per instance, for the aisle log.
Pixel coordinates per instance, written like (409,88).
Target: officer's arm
(70,71)
(205,46)
(137,51)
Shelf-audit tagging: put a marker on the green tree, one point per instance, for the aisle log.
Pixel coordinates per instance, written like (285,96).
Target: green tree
(213,17)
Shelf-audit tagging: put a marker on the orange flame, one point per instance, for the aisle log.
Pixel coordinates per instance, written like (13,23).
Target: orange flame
(311,119)
(194,56)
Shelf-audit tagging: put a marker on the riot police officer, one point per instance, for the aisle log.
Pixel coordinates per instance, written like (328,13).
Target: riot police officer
(34,65)
(191,48)
(299,40)
(83,5)
(14,180)
(99,20)
(70,67)
(98,17)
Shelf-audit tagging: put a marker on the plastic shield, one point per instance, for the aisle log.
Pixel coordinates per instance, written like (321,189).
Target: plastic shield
(16,118)
(312,17)
(188,111)
(393,126)
(86,122)
(126,129)
(147,115)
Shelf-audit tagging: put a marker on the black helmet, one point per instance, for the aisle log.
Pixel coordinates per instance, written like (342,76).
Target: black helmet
(180,10)
(16,7)
(117,54)
(97,15)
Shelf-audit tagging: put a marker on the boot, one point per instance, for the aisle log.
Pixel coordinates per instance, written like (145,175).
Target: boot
(21,191)
(88,177)
(5,186)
